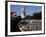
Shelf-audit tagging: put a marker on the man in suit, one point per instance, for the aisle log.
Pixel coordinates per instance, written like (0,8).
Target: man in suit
(14,22)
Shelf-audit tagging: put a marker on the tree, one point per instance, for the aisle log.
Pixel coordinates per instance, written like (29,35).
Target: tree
(37,15)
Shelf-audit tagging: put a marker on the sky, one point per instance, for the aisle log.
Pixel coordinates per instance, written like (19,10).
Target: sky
(29,9)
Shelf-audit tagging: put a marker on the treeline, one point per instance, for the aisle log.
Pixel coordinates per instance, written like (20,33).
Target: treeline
(37,15)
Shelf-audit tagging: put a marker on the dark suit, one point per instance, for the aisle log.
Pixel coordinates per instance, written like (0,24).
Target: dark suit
(14,25)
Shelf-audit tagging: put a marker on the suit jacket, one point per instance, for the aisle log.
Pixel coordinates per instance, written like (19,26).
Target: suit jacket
(14,25)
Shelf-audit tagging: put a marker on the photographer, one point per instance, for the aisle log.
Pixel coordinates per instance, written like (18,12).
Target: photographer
(14,22)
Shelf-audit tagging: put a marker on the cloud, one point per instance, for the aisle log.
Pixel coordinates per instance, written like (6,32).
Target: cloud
(22,9)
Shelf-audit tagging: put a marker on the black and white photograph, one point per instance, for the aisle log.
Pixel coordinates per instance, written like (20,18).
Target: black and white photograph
(25,18)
